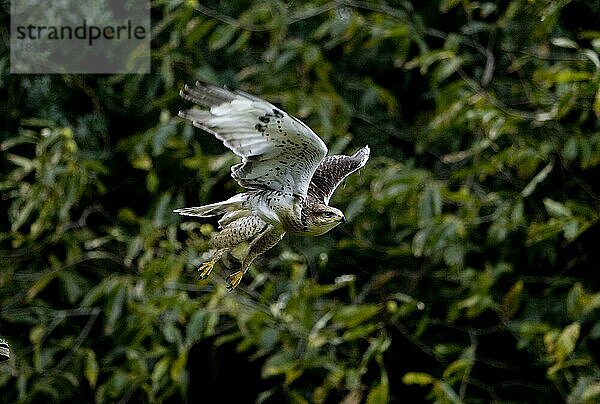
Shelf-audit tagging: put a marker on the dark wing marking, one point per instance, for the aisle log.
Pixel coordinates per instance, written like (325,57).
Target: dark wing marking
(278,151)
(332,171)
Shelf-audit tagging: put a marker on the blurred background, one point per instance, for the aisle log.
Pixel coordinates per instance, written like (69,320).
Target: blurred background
(467,271)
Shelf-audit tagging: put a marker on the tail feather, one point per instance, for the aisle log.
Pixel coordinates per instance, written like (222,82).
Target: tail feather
(233,204)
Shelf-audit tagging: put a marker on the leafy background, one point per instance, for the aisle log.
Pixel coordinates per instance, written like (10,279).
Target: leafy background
(468,271)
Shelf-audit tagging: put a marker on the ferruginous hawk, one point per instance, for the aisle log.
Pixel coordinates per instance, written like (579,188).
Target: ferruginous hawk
(288,179)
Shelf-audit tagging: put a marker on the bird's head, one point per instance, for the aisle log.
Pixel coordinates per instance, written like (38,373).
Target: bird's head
(322,218)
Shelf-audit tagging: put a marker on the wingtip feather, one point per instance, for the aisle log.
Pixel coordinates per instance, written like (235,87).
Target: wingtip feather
(364,154)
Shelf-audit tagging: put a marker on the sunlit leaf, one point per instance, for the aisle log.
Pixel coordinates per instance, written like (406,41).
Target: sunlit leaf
(512,299)
(564,43)
(353,315)
(91,369)
(279,363)
(566,341)
(539,177)
(422,379)
(379,393)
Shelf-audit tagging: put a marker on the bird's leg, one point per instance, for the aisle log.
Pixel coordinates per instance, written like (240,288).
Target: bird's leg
(262,243)
(206,268)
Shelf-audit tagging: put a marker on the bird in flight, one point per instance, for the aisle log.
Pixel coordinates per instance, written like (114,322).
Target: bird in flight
(288,178)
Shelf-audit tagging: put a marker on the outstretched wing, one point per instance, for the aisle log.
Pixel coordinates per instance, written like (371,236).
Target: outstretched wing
(332,171)
(278,151)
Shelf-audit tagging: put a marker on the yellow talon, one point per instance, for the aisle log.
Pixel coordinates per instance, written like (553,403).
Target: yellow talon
(234,279)
(206,268)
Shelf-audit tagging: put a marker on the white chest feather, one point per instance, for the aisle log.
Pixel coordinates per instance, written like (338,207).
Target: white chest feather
(276,208)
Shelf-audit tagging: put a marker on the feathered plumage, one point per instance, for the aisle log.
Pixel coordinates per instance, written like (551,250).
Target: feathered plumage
(287,177)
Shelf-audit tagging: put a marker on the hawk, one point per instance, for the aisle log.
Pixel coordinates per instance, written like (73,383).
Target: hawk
(287,177)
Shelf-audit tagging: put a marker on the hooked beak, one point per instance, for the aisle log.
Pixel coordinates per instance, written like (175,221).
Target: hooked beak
(343,219)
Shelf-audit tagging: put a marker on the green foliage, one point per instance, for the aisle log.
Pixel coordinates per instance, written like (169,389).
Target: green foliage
(466,271)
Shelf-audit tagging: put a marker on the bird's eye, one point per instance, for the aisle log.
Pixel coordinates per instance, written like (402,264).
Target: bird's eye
(328,214)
